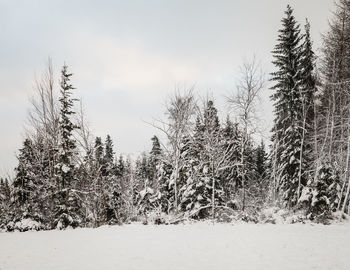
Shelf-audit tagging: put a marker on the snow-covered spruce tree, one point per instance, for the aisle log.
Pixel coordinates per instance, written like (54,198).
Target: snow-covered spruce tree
(321,196)
(123,177)
(5,196)
(260,185)
(151,198)
(165,191)
(108,158)
(25,202)
(287,131)
(24,173)
(203,191)
(120,167)
(112,189)
(127,190)
(97,199)
(148,194)
(321,193)
(68,209)
(154,160)
(308,83)
(231,179)
(191,186)
(307,90)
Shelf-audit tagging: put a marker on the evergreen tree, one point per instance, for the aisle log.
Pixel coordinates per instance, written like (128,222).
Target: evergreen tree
(189,173)
(112,189)
(120,167)
(260,167)
(68,205)
(98,150)
(322,196)
(25,174)
(287,131)
(165,192)
(108,156)
(98,183)
(202,192)
(154,160)
(307,77)
(231,179)
(27,186)
(156,150)
(5,196)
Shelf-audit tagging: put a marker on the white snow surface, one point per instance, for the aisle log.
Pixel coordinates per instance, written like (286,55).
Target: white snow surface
(191,246)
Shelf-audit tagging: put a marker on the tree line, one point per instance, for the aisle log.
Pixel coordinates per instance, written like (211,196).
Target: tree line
(205,167)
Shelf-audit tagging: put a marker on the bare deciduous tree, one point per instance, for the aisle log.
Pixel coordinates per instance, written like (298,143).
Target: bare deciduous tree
(243,103)
(43,119)
(180,110)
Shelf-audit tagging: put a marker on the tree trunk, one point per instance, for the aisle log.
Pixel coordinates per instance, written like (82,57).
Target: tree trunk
(346,175)
(175,180)
(213,191)
(301,152)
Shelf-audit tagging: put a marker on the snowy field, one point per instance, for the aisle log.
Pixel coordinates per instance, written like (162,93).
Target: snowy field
(197,246)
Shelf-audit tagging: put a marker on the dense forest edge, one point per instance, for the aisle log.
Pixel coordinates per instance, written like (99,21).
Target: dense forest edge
(206,168)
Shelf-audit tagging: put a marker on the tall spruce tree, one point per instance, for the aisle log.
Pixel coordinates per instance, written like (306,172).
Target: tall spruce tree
(261,161)
(202,191)
(67,206)
(25,174)
(287,131)
(154,161)
(112,196)
(230,176)
(27,184)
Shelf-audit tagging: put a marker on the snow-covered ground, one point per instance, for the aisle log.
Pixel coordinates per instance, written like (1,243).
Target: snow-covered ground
(196,246)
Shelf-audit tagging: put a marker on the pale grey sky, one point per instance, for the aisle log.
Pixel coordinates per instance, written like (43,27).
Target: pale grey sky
(127,56)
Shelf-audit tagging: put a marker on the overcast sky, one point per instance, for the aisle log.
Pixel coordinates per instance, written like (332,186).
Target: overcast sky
(128,56)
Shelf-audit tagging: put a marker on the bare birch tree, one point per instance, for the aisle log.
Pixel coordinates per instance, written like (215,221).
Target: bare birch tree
(244,103)
(180,110)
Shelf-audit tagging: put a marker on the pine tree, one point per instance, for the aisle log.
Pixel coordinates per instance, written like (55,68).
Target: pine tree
(189,173)
(231,179)
(321,197)
(5,196)
(202,192)
(154,160)
(120,167)
(98,150)
(307,77)
(24,174)
(108,156)
(261,161)
(156,150)
(68,205)
(287,132)
(98,204)
(165,191)
(112,196)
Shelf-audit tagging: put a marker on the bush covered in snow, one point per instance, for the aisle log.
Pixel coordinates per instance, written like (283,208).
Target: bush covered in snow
(24,225)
